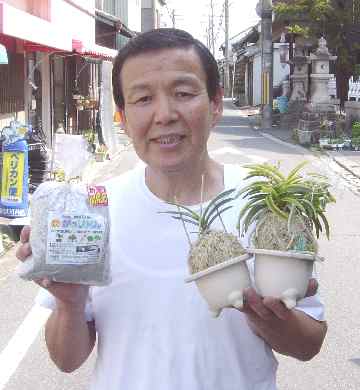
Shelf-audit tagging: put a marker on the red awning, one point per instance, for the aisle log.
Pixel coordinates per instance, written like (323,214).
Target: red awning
(94,50)
(31,46)
(8,42)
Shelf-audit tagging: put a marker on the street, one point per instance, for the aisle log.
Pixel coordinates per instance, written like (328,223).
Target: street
(24,362)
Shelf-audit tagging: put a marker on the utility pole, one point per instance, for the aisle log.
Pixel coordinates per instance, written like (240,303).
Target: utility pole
(264,10)
(211,26)
(173,18)
(227,59)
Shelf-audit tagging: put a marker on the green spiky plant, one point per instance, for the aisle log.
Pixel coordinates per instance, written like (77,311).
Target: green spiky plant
(212,246)
(288,211)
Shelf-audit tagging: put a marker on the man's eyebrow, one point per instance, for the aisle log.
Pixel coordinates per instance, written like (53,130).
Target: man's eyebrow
(185,80)
(138,87)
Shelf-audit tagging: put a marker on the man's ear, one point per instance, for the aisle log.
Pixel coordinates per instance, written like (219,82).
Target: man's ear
(120,116)
(217,106)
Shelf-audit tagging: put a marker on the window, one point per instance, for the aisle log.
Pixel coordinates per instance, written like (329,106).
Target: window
(39,8)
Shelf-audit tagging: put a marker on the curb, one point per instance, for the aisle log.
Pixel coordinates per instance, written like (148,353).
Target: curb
(345,163)
(284,143)
(341,161)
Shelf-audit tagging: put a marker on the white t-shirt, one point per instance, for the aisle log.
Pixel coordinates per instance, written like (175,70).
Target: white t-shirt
(154,330)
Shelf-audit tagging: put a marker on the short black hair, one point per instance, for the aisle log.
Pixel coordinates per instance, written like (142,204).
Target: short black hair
(165,38)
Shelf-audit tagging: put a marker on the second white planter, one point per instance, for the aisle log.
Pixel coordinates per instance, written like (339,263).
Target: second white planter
(283,275)
(223,284)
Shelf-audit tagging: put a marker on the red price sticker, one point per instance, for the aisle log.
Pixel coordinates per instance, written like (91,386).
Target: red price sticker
(97,196)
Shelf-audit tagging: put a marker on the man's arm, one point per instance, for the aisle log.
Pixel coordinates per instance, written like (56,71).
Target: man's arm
(289,332)
(69,337)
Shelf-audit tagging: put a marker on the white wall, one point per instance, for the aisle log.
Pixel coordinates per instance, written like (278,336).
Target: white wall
(279,74)
(80,24)
(257,80)
(134,16)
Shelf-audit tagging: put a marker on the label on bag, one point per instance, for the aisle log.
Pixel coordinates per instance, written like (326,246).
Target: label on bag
(75,239)
(97,196)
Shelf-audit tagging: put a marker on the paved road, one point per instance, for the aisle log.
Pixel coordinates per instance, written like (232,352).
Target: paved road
(24,363)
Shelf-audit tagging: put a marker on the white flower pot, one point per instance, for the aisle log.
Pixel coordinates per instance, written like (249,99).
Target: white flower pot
(223,284)
(304,137)
(283,275)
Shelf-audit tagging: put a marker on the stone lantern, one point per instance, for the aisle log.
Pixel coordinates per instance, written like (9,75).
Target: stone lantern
(320,75)
(300,76)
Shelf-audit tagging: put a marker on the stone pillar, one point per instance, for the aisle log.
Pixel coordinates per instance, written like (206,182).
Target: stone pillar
(264,10)
(320,96)
(299,78)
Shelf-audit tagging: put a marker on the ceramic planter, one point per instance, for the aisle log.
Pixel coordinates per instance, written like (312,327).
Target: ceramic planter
(284,275)
(223,284)
(304,137)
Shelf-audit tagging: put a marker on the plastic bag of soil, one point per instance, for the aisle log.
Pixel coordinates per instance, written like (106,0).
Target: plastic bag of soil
(70,225)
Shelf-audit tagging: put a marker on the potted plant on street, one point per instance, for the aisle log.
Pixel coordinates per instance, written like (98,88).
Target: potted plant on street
(285,215)
(217,260)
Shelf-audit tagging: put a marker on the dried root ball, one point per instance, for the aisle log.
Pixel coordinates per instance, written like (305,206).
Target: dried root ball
(212,248)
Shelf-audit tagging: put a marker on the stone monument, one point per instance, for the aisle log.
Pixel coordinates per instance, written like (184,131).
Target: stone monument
(319,94)
(299,78)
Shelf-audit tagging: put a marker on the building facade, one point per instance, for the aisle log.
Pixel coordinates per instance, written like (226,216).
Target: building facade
(56,76)
(151,14)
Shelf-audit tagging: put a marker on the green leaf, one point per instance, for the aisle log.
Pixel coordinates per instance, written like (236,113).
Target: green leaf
(326,224)
(217,215)
(251,217)
(294,173)
(274,208)
(196,216)
(186,220)
(180,213)
(211,209)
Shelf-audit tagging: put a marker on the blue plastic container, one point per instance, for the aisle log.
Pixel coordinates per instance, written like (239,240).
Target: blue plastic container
(283,104)
(14,191)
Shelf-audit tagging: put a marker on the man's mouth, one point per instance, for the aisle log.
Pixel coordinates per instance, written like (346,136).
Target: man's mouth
(170,139)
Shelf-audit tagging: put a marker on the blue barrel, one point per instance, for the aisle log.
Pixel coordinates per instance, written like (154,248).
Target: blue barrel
(283,104)
(14,195)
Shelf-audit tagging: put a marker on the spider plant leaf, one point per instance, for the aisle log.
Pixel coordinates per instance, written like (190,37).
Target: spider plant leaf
(217,215)
(216,203)
(326,224)
(251,217)
(309,206)
(274,208)
(196,216)
(186,220)
(318,227)
(180,213)
(266,170)
(294,173)
(294,203)
(249,206)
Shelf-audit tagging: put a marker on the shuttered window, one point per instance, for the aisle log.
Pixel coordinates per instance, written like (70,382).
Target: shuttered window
(12,84)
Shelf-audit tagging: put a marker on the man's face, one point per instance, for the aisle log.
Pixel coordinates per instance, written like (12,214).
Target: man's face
(167,112)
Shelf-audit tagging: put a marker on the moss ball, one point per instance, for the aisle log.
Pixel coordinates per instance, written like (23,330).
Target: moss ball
(212,248)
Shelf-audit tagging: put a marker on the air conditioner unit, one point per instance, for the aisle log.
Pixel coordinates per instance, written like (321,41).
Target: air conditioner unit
(99,4)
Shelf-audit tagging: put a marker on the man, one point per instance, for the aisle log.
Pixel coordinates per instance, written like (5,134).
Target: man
(155,332)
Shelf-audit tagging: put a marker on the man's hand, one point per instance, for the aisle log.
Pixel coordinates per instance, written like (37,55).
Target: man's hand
(68,296)
(69,338)
(290,332)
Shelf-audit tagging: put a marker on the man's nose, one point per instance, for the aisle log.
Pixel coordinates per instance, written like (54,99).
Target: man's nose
(165,110)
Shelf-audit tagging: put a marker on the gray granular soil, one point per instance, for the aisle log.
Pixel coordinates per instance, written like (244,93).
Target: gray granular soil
(213,247)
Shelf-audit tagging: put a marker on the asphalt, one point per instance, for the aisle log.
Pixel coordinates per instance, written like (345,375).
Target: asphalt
(349,160)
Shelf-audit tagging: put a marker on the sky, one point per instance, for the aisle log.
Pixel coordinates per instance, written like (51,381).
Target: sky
(193,16)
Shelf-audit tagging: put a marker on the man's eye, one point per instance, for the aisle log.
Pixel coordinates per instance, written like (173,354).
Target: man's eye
(143,99)
(183,94)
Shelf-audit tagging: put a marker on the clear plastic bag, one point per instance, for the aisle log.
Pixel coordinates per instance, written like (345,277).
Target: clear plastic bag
(70,229)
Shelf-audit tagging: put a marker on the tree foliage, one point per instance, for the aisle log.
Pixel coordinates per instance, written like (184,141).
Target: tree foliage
(336,20)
